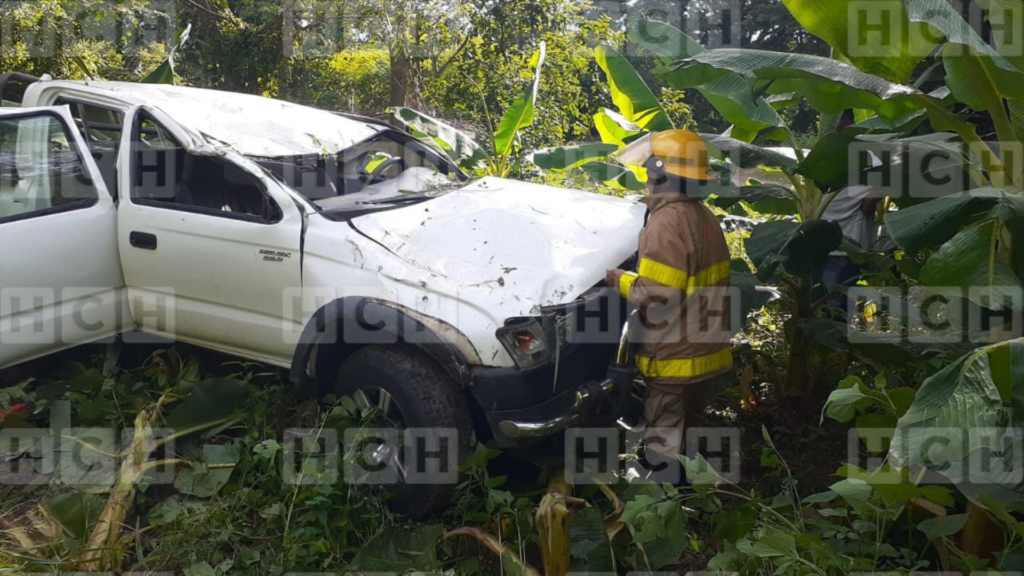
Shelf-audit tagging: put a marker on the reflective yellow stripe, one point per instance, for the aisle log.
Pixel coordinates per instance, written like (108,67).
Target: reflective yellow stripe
(663,274)
(626,283)
(709,276)
(685,367)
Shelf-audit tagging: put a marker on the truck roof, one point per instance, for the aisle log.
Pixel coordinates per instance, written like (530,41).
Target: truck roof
(252,125)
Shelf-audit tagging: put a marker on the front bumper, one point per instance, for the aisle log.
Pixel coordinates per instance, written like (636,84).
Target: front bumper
(590,384)
(597,402)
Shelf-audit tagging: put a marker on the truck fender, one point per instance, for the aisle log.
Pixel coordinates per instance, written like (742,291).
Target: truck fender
(343,326)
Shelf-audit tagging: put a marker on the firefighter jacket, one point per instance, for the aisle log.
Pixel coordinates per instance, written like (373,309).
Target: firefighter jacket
(681,290)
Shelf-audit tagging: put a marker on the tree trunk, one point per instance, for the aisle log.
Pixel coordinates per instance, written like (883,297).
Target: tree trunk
(399,77)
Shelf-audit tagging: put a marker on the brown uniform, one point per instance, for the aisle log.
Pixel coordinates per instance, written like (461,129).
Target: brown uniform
(681,290)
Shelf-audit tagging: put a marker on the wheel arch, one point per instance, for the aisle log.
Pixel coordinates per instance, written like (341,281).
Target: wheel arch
(342,326)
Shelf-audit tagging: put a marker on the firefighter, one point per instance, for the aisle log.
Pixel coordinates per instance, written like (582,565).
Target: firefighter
(681,336)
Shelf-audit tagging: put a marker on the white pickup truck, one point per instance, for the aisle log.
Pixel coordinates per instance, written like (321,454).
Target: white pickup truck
(339,248)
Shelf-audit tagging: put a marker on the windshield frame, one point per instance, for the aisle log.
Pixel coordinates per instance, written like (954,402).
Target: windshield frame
(402,138)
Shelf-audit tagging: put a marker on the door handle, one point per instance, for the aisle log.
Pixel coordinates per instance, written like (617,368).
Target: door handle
(143,240)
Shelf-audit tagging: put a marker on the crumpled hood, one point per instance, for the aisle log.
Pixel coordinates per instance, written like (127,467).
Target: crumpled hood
(543,245)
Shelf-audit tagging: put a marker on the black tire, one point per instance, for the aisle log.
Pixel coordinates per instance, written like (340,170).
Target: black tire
(426,398)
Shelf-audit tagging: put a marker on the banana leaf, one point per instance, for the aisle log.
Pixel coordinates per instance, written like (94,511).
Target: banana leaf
(457,145)
(630,93)
(801,249)
(934,223)
(164,73)
(891,50)
(568,157)
(731,95)
(830,86)
(967,414)
(614,128)
(613,175)
(967,262)
(746,155)
(521,113)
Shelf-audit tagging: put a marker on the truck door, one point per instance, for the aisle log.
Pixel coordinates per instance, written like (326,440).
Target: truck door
(60,273)
(209,242)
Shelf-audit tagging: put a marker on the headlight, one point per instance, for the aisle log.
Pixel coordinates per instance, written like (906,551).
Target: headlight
(526,341)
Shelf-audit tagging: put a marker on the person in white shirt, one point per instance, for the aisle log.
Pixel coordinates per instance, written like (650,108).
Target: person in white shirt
(853,209)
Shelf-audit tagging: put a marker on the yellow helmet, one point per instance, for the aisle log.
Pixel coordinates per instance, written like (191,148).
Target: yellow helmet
(681,152)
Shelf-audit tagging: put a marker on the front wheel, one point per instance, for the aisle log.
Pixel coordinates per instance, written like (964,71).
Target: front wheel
(399,387)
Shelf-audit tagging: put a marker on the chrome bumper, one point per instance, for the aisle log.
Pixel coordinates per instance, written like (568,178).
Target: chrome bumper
(587,402)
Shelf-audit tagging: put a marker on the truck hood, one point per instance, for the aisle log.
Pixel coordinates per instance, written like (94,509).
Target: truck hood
(539,244)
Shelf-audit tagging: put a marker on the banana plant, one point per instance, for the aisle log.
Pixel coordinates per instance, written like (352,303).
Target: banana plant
(80,530)
(638,113)
(973,238)
(976,402)
(989,80)
(503,158)
(164,73)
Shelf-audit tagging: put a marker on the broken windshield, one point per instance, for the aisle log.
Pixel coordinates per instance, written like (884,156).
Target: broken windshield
(389,164)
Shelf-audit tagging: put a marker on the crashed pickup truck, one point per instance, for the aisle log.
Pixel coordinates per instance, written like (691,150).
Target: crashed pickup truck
(339,248)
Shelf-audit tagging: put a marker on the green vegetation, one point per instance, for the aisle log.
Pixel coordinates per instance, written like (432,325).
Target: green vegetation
(547,90)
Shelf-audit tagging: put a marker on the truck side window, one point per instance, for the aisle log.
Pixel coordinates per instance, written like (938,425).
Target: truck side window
(41,171)
(102,130)
(165,175)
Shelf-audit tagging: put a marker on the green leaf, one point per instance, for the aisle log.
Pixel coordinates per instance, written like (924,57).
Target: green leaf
(893,55)
(978,81)
(852,490)
(76,513)
(568,157)
(614,128)
(959,399)
(699,472)
(892,493)
(613,175)
(942,526)
(164,73)
(766,245)
(938,494)
(211,405)
(842,403)
(802,248)
(726,562)
(267,449)
(666,41)
(809,249)
(457,145)
(199,569)
(966,262)
(1011,214)
(828,85)
(630,93)
(870,425)
(932,223)
(771,545)
(203,481)
(588,541)
(821,497)
(947,20)
(902,398)
(396,549)
(731,95)
(746,155)
(664,551)
(173,509)
(731,525)
(521,113)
